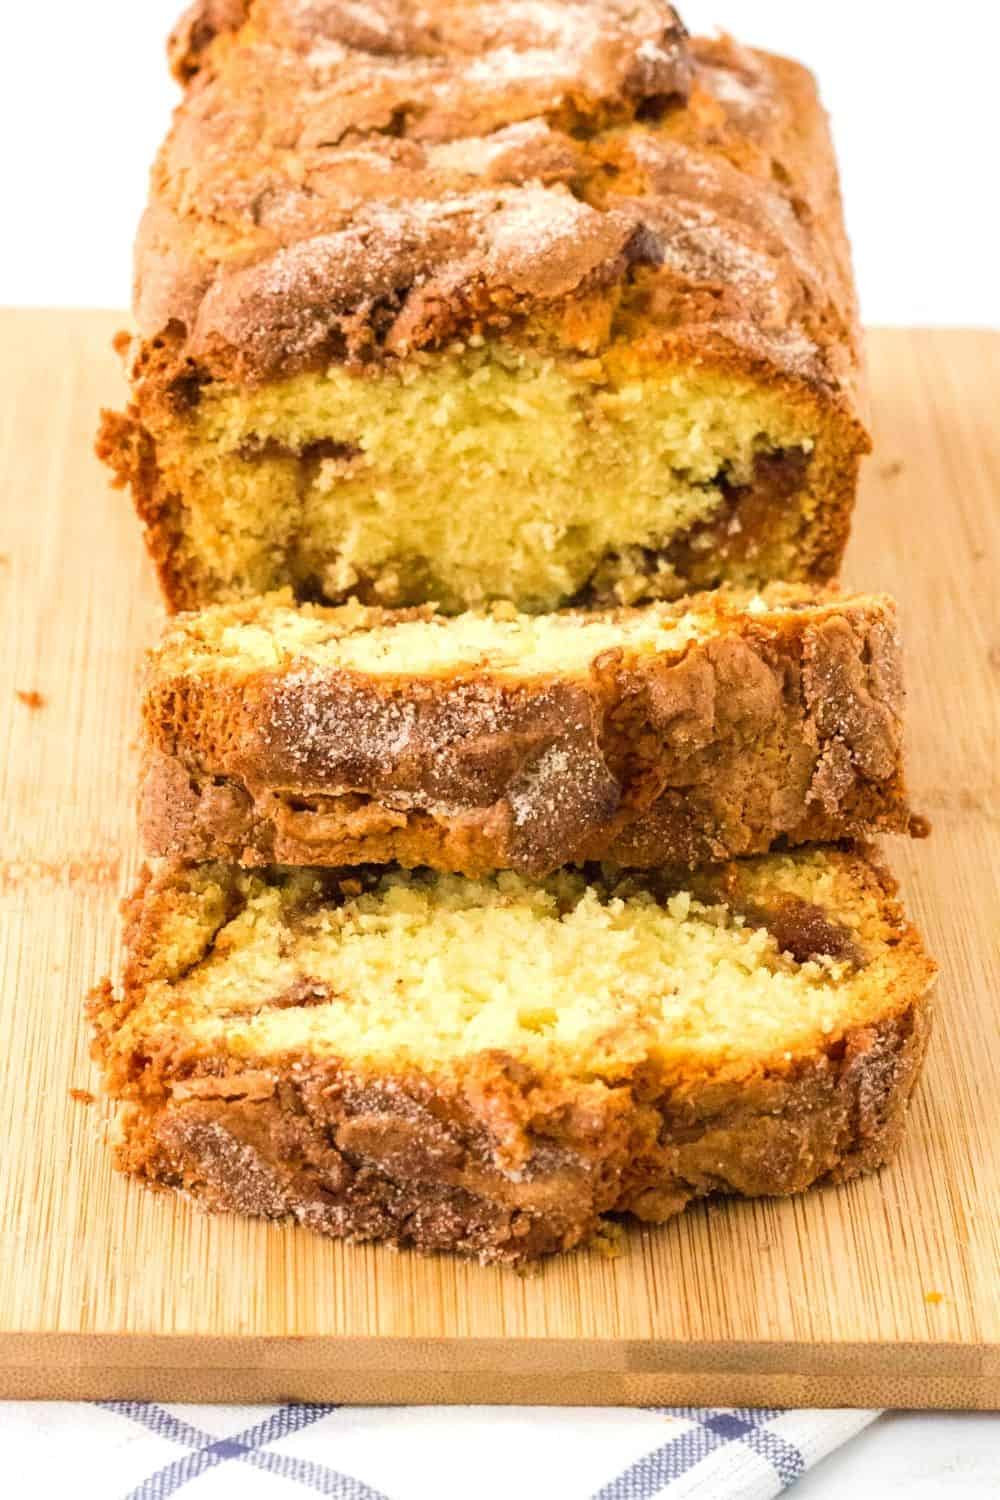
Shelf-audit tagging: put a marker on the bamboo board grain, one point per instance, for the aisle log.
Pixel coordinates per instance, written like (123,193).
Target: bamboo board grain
(883,1292)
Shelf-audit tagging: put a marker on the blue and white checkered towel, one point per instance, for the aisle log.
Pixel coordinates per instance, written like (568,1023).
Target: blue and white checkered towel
(137,1450)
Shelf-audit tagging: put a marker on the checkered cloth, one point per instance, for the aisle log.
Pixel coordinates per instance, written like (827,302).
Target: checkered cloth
(137,1450)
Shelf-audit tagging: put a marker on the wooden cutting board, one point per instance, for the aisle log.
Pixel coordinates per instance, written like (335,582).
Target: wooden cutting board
(884,1292)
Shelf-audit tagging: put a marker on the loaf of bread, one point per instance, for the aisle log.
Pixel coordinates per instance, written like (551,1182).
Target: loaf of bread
(490,1066)
(674,733)
(533,300)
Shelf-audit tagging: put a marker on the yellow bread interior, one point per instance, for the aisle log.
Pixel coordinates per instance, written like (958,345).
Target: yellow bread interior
(428,970)
(516,646)
(273,632)
(467,475)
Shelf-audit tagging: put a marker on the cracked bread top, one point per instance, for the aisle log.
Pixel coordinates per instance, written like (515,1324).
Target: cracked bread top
(355,183)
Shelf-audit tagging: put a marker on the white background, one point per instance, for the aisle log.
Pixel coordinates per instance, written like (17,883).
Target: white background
(913,88)
(914,92)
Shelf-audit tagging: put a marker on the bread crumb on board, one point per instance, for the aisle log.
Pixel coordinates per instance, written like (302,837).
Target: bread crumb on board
(92,869)
(610,1240)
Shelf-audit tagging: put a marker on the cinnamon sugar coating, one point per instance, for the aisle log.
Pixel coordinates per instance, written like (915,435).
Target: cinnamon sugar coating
(781,722)
(357,182)
(337,169)
(510,1154)
(572,190)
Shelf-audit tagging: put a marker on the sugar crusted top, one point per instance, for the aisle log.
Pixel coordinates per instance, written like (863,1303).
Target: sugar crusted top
(355,182)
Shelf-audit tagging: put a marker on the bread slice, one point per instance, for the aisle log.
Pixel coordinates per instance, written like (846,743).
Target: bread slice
(490,1066)
(675,733)
(475,300)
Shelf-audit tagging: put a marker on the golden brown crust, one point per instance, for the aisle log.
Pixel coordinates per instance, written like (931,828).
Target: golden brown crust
(784,725)
(500,1159)
(325,185)
(198,28)
(336,186)
(386,1169)
(572,175)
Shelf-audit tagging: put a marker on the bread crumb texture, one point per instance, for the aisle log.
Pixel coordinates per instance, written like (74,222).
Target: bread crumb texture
(428,970)
(493,474)
(273,633)
(492,1066)
(236,640)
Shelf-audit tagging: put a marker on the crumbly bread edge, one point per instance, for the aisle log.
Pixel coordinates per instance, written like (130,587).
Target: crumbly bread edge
(501,1161)
(780,726)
